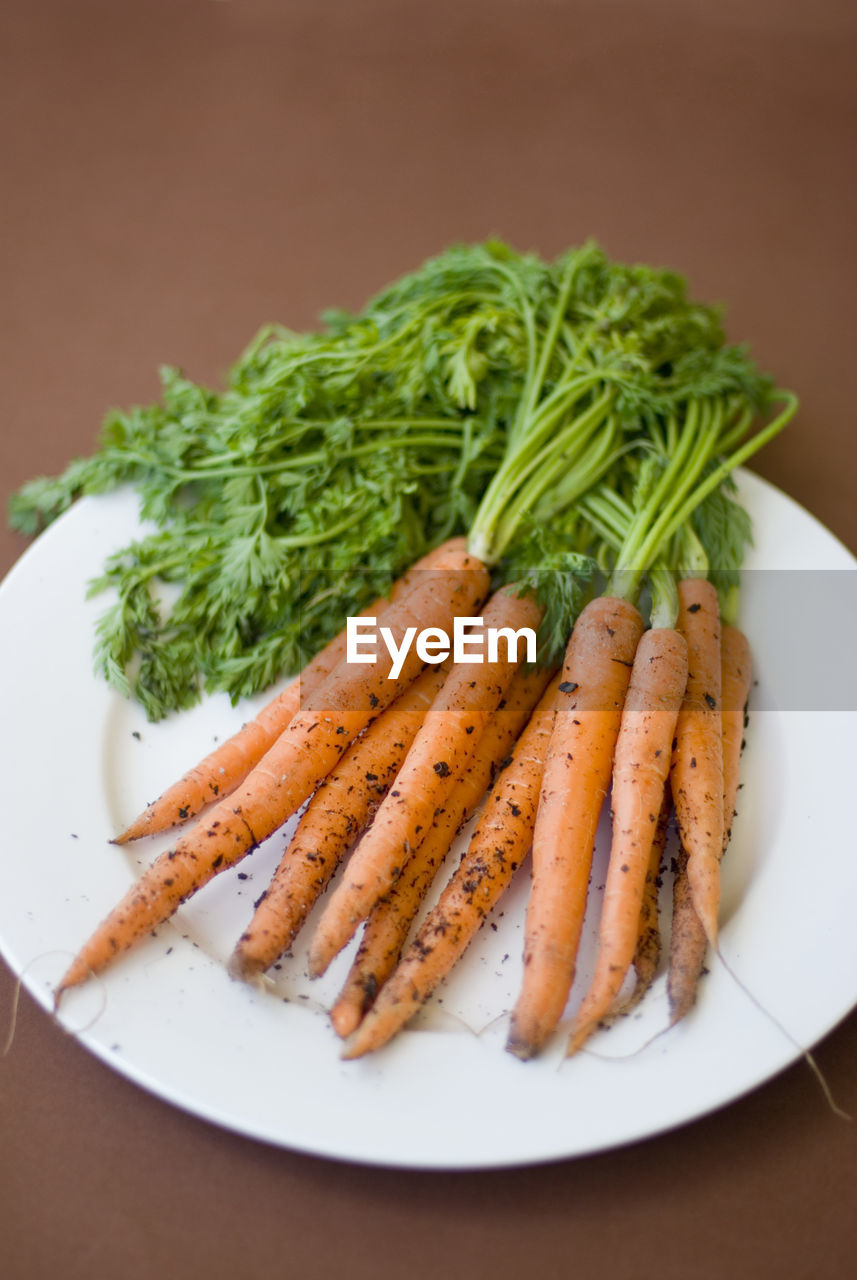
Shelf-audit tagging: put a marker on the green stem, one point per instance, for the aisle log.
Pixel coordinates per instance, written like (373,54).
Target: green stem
(681,480)
(315,539)
(736,459)
(570,437)
(664,526)
(691,560)
(284,468)
(664,610)
(517,465)
(627,573)
(530,398)
(568,482)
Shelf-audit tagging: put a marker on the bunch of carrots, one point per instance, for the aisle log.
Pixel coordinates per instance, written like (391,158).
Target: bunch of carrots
(632,418)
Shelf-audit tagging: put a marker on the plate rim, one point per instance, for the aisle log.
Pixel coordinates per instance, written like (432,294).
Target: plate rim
(94,1043)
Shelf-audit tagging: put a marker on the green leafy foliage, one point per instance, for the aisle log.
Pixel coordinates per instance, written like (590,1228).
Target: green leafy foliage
(487,392)
(725,531)
(547,561)
(289,500)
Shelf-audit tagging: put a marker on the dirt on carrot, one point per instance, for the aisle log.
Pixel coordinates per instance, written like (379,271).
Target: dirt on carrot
(497,848)
(577,773)
(337,814)
(696,775)
(303,755)
(390,920)
(689,943)
(441,751)
(228,765)
(640,770)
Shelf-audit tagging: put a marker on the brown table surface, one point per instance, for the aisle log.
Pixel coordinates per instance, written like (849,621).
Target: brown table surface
(176,173)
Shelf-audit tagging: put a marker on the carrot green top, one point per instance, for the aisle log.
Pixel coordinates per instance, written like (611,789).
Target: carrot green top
(634,412)
(485,392)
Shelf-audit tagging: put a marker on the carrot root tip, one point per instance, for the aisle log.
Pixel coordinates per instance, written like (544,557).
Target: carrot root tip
(317,965)
(243,968)
(680,1009)
(521,1049)
(345,1019)
(350,1052)
(578,1038)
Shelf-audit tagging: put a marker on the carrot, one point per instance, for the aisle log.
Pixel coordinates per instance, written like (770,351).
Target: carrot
(340,810)
(229,764)
(595,678)
(497,848)
(286,775)
(736,668)
(647,953)
(442,749)
(640,771)
(689,943)
(387,926)
(696,776)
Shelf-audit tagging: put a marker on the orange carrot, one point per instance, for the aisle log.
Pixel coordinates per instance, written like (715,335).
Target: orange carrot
(387,926)
(442,749)
(576,778)
(497,848)
(229,764)
(640,771)
(351,697)
(340,810)
(689,943)
(736,672)
(696,776)
(648,950)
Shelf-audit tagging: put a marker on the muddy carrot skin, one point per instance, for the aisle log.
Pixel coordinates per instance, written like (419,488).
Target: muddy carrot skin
(595,677)
(304,754)
(640,771)
(736,674)
(229,764)
(647,954)
(696,776)
(442,750)
(689,943)
(390,920)
(335,817)
(497,848)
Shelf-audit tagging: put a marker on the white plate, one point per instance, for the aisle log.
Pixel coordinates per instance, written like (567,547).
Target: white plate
(77,763)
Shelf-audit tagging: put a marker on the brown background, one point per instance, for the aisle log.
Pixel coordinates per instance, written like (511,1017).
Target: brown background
(178,172)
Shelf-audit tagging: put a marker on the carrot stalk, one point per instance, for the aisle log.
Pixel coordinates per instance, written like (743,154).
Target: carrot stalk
(390,920)
(497,848)
(307,750)
(640,771)
(340,810)
(689,943)
(443,747)
(595,678)
(696,776)
(229,764)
